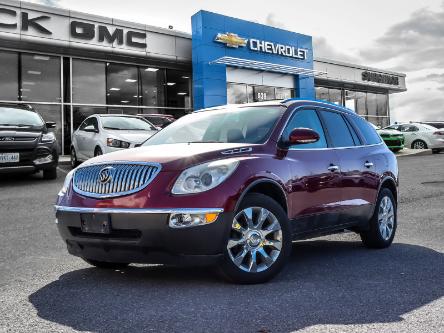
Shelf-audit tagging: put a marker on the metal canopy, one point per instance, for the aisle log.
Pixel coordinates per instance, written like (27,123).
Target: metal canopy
(266,66)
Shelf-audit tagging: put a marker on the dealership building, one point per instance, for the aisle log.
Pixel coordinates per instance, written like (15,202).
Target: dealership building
(69,65)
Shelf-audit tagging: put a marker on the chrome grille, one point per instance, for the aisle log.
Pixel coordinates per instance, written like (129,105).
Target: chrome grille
(114,179)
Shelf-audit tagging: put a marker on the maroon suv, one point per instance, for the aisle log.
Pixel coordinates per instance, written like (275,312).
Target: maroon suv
(233,186)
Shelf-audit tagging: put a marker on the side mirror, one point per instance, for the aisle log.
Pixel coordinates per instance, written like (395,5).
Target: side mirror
(50,124)
(302,135)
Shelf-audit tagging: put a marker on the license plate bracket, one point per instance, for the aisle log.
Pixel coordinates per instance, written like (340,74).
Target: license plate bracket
(95,223)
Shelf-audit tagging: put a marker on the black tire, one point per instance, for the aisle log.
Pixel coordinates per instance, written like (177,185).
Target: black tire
(419,142)
(106,265)
(436,151)
(235,274)
(74,160)
(50,173)
(373,237)
(98,151)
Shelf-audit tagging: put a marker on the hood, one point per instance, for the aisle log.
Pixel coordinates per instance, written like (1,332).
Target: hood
(178,156)
(136,137)
(389,132)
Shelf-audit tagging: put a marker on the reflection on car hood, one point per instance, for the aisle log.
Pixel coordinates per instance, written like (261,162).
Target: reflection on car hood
(176,156)
(132,136)
(388,132)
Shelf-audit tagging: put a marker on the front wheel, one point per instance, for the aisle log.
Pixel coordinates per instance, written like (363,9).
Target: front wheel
(382,225)
(259,242)
(419,144)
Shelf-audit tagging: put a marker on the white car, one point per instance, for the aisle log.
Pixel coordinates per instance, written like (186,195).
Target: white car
(421,136)
(105,133)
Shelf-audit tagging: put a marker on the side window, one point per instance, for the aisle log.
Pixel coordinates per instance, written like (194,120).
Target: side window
(307,119)
(337,129)
(85,123)
(95,123)
(353,132)
(368,132)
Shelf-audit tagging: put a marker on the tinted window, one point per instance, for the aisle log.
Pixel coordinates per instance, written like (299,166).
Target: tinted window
(306,119)
(368,132)
(353,133)
(232,125)
(337,128)
(409,128)
(19,117)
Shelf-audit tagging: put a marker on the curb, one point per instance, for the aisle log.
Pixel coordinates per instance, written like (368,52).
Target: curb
(414,152)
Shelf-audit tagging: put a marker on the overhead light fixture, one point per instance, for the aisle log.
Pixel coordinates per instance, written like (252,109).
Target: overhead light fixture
(185,77)
(124,101)
(150,69)
(171,83)
(108,94)
(114,89)
(136,96)
(130,80)
(25,89)
(181,93)
(40,57)
(34,72)
(29,83)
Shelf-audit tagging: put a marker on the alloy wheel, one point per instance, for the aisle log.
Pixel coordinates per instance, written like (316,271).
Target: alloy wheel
(386,218)
(255,241)
(419,145)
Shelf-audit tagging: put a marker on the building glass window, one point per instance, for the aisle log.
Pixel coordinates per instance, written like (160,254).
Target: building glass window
(178,86)
(122,84)
(263,93)
(80,113)
(322,93)
(9,76)
(355,100)
(152,86)
(88,82)
(284,93)
(335,96)
(237,93)
(40,79)
(371,105)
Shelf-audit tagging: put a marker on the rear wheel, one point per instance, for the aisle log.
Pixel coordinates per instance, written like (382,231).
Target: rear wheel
(259,242)
(50,173)
(382,225)
(419,144)
(106,265)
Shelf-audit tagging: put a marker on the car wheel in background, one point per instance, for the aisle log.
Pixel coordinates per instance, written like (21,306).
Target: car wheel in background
(106,265)
(419,144)
(259,242)
(98,151)
(74,161)
(50,173)
(382,225)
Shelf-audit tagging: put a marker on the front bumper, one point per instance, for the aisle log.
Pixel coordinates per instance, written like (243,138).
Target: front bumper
(31,160)
(394,143)
(144,236)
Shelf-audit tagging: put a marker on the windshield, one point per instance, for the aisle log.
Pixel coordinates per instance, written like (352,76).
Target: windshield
(126,123)
(19,117)
(231,125)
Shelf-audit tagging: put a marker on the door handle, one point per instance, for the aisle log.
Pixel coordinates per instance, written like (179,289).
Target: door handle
(368,164)
(333,168)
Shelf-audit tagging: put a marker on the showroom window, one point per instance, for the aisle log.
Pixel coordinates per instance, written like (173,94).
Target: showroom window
(88,82)
(152,86)
(239,93)
(178,91)
(122,84)
(9,76)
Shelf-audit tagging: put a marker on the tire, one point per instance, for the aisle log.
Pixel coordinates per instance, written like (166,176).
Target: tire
(106,265)
(380,235)
(436,151)
(98,151)
(50,173)
(74,161)
(419,144)
(246,241)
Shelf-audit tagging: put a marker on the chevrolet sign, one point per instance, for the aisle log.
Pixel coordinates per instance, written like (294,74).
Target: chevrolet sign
(231,40)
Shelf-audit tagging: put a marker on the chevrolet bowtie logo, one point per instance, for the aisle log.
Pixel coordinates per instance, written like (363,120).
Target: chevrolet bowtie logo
(231,40)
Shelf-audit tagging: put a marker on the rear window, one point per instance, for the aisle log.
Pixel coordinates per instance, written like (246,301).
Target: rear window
(337,129)
(368,132)
(19,117)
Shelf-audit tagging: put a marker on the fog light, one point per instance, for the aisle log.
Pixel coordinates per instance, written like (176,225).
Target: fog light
(42,160)
(182,220)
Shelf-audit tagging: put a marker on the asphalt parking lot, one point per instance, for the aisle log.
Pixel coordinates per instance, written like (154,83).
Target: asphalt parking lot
(332,284)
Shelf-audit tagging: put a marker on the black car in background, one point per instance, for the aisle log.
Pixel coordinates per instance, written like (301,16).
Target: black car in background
(26,145)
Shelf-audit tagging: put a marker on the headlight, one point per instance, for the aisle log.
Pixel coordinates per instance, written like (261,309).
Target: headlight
(204,177)
(66,184)
(48,137)
(117,143)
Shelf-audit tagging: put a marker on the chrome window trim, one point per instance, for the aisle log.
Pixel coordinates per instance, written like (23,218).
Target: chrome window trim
(137,210)
(327,148)
(119,194)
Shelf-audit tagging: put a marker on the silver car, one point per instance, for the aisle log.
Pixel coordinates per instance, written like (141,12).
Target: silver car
(101,134)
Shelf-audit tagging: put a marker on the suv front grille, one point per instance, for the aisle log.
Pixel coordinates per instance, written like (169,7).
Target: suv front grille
(114,179)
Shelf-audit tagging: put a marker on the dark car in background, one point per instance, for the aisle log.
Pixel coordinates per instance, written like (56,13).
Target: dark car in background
(226,187)
(159,120)
(26,144)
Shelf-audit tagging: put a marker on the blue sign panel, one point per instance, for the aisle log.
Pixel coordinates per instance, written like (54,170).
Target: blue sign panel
(242,43)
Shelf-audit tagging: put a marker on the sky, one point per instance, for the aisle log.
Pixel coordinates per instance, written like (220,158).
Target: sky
(398,35)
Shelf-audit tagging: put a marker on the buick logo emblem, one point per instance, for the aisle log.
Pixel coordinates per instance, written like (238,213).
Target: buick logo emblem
(7,138)
(106,174)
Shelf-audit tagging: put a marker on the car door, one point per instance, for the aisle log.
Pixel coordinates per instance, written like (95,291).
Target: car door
(410,133)
(79,139)
(315,183)
(91,137)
